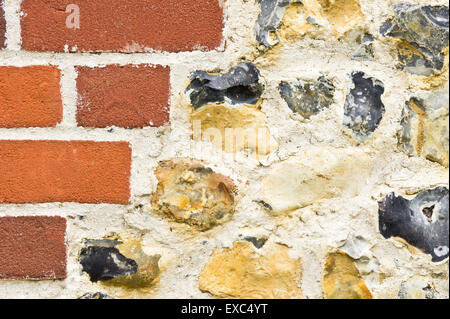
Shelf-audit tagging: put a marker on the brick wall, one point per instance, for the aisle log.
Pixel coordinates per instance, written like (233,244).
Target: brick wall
(116,175)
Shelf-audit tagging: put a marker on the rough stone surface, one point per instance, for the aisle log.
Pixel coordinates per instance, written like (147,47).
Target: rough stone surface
(316,174)
(422,221)
(417,287)
(307,98)
(363,109)
(233,129)
(189,192)
(269,20)
(425,127)
(290,20)
(240,85)
(97,295)
(119,263)
(424,28)
(342,279)
(244,273)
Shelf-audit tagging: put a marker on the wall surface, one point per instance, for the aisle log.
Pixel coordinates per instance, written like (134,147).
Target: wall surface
(117,175)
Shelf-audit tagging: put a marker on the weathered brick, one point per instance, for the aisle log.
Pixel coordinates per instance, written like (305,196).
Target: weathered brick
(64,171)
(32,248)
(109,25)
(2,26)
(30,96)
(129,96)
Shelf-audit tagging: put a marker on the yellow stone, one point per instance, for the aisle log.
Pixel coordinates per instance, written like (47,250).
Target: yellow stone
(318,173)
(233,128)
(342,279)
(188,192)
(148,268)
(242,272)
(334,17)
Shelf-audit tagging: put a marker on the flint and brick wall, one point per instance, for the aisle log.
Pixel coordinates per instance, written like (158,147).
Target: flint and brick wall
(99,156)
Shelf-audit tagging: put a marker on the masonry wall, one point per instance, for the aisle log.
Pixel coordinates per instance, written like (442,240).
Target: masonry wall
(117,175)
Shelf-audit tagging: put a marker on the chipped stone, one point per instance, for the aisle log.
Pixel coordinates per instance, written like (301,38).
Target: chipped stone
(422,222)
(342,279)
(318,173)
(307,98)
(417,287)
(269,20)
(97,295)
(119,263)
(425,127)
(363,109)
(240,85)
(361,44)
(257,242)
(245,272)
(293,19)
(423,33)
(355,246)
(190,193)
(234,129)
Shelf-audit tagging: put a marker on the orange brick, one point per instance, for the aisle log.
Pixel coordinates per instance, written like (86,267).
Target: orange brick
(30,96)
(64,171)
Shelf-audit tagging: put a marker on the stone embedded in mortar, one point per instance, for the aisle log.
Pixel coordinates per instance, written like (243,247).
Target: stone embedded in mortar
(257,242)
(245,272)
(425,127)
(361,44)
(417,287)
(423,31)
(97,295)
(422,222)
(188,192)
(269,20)
(342,279)
(119,263)
(307,98)
(318,173)
(233,129)
(363,108)
(240,85)
(293,19)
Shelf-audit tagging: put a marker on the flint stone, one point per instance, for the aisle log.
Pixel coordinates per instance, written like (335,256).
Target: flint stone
(422,221)
(307,98)
(240,85)
(425,28)
(363,108)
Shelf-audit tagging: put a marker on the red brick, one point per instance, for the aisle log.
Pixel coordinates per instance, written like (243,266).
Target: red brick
(123,26)
(64,171)
(30,96)
(125,96)
(32,248)
(2,26)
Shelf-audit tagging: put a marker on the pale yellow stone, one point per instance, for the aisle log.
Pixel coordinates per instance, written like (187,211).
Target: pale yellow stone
(436,137)
(425,127)
(417,287)
(241,272)
(333,17)
(233,128)
(342,279)
(189,192)
(318,173)
(148,269)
